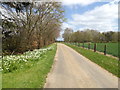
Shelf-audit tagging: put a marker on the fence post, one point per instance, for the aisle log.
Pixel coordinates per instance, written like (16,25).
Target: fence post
(105,50)
(83,45)
(78,44)
(95,47)
(88,45)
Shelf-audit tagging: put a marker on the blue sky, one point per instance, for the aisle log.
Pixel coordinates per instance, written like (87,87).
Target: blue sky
(80,15)
(69,10)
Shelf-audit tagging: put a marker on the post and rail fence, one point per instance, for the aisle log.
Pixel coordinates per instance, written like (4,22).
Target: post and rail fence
(89,46)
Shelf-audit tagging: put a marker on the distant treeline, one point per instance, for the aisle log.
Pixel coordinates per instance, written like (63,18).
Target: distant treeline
(89,35)
(29,25)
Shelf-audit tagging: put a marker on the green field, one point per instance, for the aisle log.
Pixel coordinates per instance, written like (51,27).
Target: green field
(28,70)
(108,63)
(112,48)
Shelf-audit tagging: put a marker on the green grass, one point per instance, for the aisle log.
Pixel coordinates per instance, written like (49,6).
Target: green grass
(32,77)
(108,63)
(0,74)
(0,80)
(112,48)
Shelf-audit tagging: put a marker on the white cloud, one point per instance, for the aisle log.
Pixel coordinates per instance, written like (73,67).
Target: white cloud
(66,25)
(82,2)
(102,18)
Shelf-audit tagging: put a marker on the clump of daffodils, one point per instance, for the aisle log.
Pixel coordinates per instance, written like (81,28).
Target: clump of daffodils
(14,62)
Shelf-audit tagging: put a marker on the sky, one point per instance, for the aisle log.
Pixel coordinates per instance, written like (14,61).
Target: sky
(100,15)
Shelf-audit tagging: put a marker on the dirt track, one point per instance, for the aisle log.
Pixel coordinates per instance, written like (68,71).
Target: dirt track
(72,70)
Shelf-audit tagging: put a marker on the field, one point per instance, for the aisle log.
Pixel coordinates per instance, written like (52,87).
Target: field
(28,70)
(108,63)
(111,48)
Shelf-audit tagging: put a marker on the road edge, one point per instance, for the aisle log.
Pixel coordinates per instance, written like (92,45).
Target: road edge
(51,70)
(94,63)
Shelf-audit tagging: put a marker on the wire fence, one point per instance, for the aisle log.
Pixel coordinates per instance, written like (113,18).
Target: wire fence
(104,48)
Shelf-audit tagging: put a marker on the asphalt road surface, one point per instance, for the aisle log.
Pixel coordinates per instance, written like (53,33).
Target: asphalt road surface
(72,70)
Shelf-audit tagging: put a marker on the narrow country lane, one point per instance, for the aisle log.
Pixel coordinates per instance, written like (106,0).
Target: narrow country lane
(72,70)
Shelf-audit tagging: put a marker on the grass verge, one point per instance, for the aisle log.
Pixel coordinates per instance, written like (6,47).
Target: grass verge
(33,77)
(108,63)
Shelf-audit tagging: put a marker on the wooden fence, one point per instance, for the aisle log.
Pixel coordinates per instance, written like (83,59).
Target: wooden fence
(89,46)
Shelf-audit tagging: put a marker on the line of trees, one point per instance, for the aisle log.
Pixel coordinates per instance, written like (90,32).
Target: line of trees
(89,35)
(29,25)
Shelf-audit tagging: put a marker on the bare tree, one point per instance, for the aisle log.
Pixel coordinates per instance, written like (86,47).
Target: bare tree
(30,25)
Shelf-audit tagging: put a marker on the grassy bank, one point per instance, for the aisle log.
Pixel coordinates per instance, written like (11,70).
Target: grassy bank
(108,63)
(32,75)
